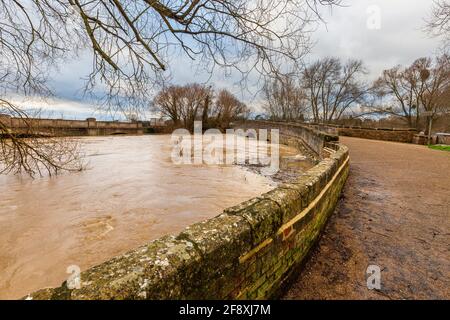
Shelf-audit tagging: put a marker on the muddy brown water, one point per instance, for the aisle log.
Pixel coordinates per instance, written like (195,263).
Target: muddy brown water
(130,194)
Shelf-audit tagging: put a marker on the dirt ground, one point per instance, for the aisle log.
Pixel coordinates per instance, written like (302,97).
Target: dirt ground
(394,213)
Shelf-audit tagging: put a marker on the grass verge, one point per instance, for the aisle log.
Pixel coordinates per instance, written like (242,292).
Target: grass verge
(440,147)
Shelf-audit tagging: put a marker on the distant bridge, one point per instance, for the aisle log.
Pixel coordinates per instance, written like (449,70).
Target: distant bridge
(88,127)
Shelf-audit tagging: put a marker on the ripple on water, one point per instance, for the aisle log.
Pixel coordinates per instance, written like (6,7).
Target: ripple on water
(130,195)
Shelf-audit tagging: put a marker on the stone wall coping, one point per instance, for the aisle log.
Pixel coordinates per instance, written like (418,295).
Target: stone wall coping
(205,260)
(358,127)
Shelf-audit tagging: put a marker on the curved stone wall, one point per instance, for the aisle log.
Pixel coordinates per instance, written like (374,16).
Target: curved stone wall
(385,134)
(247,252)
(296,135)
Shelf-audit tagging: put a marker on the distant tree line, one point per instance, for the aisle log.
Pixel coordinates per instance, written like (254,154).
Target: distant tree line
(328,90)
(332,91)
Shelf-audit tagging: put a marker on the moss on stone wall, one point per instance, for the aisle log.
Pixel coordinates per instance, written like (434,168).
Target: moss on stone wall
(246,252)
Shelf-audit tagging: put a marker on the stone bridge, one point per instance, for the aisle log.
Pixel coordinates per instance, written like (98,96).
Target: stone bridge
(249,251)
(59,127)
(394,214)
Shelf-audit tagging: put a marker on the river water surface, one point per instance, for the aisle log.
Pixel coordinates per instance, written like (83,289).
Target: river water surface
(130,194)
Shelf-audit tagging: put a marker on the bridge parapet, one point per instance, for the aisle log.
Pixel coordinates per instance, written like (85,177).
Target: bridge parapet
(386,134)
(247,252)
(62,127)
(311,138)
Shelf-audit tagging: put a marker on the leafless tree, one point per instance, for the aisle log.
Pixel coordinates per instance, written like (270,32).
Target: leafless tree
(168,103)
(438,24)
(333,87)
(434,85)
(285,99)
(443,101)
(183,104)
(196,98)
(133,42)
(402,100)
(419,87)
(26,151)
(227,108)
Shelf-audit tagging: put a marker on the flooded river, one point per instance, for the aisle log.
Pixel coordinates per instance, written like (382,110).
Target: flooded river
(130,194)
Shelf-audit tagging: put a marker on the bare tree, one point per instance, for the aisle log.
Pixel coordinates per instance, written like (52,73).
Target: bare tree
(439,22)
(227,108)
(168,103)
(434,85)
(26,151)
(134,42)
(285,99)
(195,99)
(419,87)
(443,101)
(333,88)
(183,104)
(402,101)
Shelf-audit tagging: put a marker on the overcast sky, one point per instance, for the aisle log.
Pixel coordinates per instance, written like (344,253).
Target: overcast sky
(400,38)
(397,37)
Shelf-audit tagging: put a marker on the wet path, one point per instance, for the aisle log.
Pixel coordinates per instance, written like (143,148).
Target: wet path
(394,213)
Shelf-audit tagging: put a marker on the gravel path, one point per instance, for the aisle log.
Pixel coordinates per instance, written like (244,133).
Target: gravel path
(394,213)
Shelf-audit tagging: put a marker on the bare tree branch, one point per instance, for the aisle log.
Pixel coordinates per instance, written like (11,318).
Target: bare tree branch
(438,24)
(29,151)
(135,42)
(333,88)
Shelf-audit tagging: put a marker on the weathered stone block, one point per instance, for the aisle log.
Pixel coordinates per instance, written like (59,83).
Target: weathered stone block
(264,217)
(312,182)
(289,198)
(221,240)
(159,270)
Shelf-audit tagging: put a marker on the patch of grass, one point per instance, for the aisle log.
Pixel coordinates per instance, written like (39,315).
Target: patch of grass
(440,147)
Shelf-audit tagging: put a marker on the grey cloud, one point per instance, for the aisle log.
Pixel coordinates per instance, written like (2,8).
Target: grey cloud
(399,41)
